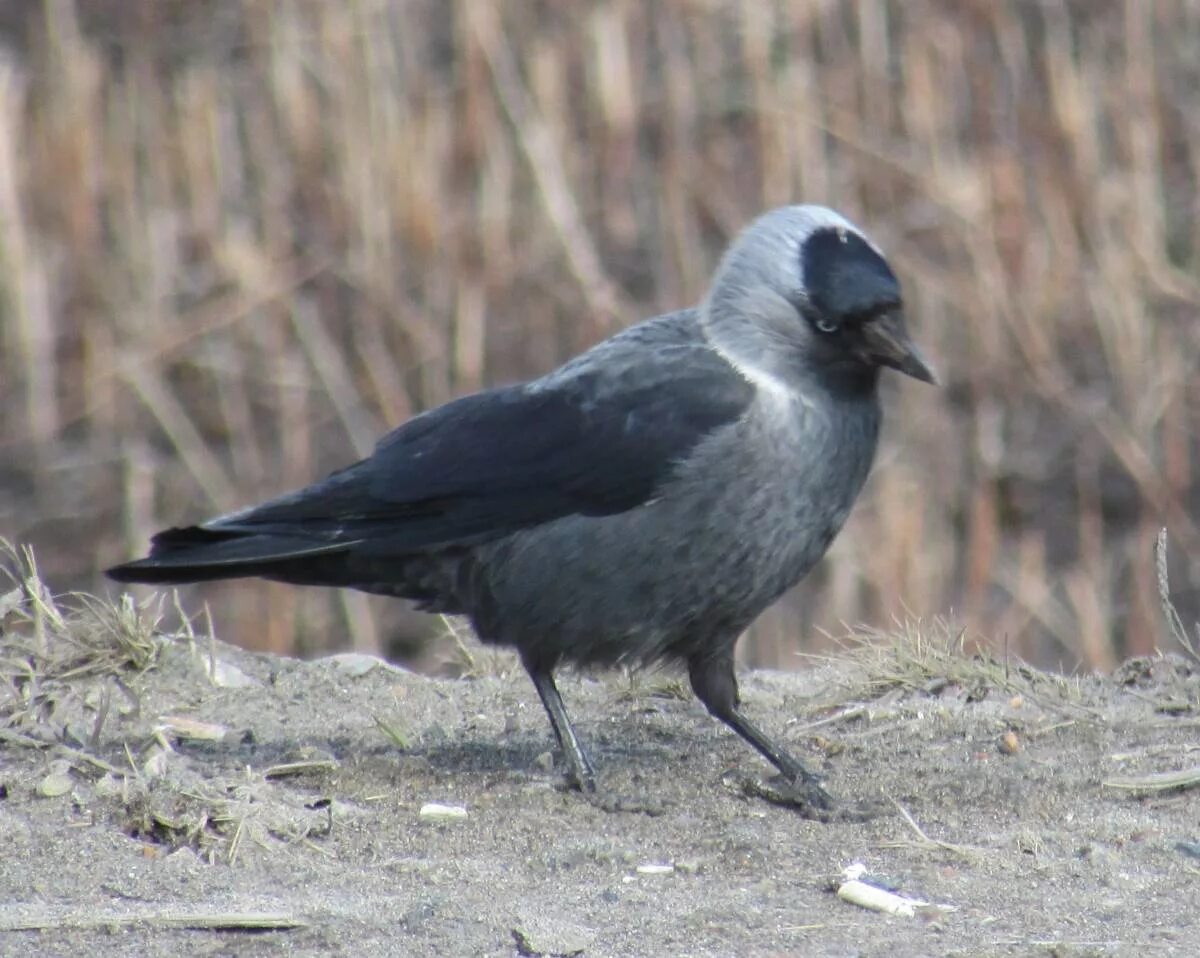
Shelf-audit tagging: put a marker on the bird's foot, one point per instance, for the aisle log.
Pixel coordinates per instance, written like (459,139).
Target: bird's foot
(627,804)
(804,794)
(801,792)
(608,801)
(584,783)
(576,770)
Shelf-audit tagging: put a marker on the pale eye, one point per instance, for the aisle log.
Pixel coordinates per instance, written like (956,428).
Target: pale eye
(826,325)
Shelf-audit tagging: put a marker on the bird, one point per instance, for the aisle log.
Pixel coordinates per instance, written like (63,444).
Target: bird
(638,506)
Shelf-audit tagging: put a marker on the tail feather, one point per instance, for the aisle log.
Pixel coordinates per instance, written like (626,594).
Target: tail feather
(199,554)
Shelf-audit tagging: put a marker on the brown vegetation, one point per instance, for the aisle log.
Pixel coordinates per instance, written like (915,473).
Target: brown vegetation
(239,240)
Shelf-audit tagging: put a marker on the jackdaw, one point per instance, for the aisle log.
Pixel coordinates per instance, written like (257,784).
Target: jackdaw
(642,503)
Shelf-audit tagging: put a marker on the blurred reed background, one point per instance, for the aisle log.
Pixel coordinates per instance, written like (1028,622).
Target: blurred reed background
(238,240)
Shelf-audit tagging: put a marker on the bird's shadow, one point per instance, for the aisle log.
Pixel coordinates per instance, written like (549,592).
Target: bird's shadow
(635,769)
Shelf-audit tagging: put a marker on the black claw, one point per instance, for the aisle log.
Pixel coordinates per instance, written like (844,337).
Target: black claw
(586,783)
(803,794)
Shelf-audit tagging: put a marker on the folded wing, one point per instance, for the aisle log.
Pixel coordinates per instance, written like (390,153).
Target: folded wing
(596,443)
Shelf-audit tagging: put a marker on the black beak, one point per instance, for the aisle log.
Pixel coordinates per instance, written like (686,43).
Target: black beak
(885,342)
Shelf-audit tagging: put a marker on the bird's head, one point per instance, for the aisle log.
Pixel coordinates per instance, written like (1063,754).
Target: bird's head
(803,293)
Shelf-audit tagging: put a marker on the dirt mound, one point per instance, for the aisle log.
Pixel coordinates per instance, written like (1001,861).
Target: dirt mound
(185,796)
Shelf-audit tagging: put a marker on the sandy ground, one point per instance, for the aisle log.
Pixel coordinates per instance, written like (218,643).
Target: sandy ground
(271,806)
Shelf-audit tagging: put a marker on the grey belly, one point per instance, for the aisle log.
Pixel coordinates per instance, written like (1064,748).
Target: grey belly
(656,582)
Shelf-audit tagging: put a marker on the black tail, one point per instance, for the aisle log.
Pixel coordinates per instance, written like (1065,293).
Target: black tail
(198,554)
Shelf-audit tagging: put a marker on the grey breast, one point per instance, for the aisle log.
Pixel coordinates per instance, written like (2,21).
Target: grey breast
(752,509)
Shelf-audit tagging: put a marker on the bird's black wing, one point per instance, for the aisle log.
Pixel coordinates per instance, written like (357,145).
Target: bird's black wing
(597,442)
(500,460)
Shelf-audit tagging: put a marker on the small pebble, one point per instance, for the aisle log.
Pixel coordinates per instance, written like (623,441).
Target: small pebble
(436,812)
(55,784)
(192,729)
(540,935)
(227,676)
(1009,743)
(155,765)
(357,664)
(183,858)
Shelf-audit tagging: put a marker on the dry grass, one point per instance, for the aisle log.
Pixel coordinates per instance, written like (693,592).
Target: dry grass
(217,819)
(68,671)
(929,658)
(67,665)
(464,656)
(237,240)
(1188,642)
(48,641)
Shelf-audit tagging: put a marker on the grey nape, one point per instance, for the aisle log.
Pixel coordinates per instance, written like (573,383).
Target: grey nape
(642,503)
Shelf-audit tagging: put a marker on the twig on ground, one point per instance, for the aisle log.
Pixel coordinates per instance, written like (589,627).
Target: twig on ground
(965,851)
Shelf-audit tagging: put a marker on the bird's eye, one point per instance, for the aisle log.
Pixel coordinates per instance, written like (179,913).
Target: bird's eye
(826,325)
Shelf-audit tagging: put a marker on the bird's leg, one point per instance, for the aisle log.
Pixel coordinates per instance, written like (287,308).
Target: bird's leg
(715,685)
(582,773)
